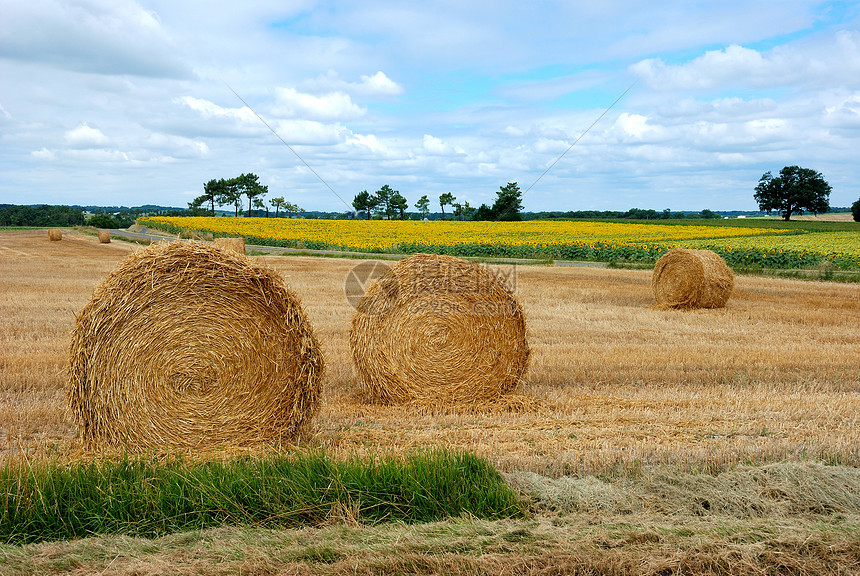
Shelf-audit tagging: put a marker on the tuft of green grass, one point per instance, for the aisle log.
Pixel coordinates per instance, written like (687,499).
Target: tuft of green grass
(149,497)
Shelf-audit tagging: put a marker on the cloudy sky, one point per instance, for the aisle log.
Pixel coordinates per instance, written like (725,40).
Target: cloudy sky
(124,102)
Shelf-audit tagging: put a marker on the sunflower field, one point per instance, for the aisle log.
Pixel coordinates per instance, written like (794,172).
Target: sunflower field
(564,240)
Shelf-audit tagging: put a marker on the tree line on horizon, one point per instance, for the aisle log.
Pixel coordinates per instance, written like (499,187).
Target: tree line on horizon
(389,203)
(232,191)
(794,191)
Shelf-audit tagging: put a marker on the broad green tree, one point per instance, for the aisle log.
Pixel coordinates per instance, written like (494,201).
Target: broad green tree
(423,206)
(446,199)
(364,201)
(463,211)
(508,202)
(386,197)
(211,191)
(277,203)
(229,194)
(794,191)
(292,208)
(399,203)
(250,187)
(855,211)
(103,221)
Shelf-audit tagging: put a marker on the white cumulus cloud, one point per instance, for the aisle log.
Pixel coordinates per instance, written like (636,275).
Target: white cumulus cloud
(836,59)
(332,106)
(635,125)
(433,145)
(210,109)
(44,154)
(86,137)
(381,84)
(378,84)
(369,142)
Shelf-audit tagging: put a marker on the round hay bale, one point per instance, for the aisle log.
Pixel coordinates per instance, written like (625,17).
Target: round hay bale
(235,244)
(686,279)
(186,345)
(438,328)
(104,236)
(55,234)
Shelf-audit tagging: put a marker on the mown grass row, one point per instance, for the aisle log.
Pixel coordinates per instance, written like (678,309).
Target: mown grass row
(151,497)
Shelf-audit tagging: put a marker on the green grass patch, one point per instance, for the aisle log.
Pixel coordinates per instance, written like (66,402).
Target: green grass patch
(148,497)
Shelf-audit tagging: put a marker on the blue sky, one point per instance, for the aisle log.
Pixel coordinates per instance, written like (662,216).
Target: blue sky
(122,102)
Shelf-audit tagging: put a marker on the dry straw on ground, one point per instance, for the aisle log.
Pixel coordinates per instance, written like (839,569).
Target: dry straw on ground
(685,278)
(234,244)
(438,328)
(55,234)
(104,236)
(187,345)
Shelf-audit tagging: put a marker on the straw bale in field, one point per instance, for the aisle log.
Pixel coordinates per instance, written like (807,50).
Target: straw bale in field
(187,345)
(685,278)
(234,244)
(55,234)
(438,328)
(104,236)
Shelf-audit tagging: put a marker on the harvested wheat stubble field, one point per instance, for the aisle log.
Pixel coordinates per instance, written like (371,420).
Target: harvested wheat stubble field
(618,383)
(624,404)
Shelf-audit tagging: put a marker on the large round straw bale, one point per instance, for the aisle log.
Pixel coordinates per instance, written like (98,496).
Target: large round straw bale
(685,278)
(55,234)
(104,236)
(234,244)
(186,345)
(438,328)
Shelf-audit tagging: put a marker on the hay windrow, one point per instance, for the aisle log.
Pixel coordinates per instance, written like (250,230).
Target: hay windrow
(235,244)
(438,328)
(684,279)
(55,234)
(104,236)
(187,345)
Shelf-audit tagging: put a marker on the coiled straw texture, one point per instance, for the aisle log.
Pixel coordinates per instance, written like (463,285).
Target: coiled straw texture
(438,329)
(685,279)
(188,345)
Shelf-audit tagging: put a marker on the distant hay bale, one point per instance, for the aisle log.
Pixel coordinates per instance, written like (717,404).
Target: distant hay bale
(685,278)
(55,234)
(438,328)
(186,345)
(234,244)
(104,236)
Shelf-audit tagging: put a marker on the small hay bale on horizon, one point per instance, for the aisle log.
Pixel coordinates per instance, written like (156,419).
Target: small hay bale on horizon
(104,236)
(235,244)
(438,329)
(686,279)
(188,346)
(55,234)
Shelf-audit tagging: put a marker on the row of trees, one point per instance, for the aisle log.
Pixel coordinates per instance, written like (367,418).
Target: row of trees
(794,191)
(390,203)
(233,191)
(44,215)
(385,201)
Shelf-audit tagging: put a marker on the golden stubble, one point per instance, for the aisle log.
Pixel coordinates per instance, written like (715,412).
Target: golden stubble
(614,382)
